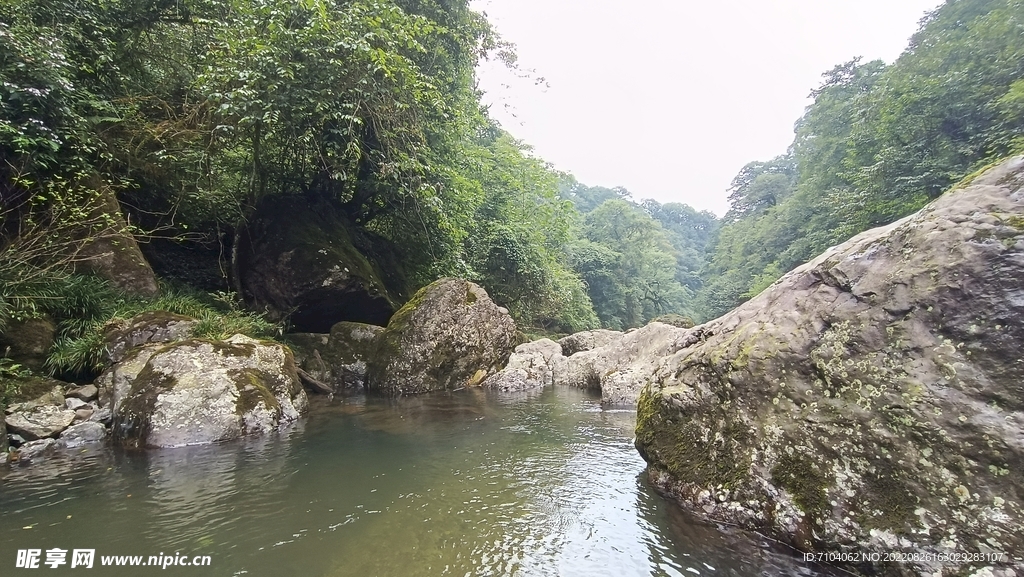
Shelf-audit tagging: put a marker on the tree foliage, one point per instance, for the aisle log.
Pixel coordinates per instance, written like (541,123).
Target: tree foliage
(877,143)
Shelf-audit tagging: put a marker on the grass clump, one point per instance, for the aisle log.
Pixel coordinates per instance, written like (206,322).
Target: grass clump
(84,307)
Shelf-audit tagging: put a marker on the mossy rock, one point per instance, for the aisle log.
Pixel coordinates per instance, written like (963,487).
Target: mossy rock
(199,391)
(870,400)
(340,358)
(440,340)
(28,342)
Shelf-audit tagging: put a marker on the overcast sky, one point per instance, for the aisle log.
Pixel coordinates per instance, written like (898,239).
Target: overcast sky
(670,98)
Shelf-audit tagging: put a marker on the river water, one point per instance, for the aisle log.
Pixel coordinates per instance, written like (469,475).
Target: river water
(460,484)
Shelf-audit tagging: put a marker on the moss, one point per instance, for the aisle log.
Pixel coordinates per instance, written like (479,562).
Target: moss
(131,426)
(470,295)
(675,440)
(890,500)
(21,389)
(252,391)
(675,320)
(805,480)
(1016,222)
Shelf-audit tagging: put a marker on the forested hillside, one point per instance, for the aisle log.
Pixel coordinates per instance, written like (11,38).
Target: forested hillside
(877,144)
(170,123)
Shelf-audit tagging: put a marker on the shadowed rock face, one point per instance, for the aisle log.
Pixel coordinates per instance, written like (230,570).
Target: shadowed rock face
(870,400)
(449,335)
(337,359)
(298,260)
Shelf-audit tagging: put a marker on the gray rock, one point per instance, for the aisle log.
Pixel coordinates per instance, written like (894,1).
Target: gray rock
(449,335)
(40,422)
(115,382)
(35,449)
(74,404)
(82,433)
(146,328)
(16,440)
(86,393)
(587,340)
(199,391)
(34,385)
(28,342)
(870,400)
(103,416)
(531,365)
(112,252)
(622,366)
(338,359)
(84,414)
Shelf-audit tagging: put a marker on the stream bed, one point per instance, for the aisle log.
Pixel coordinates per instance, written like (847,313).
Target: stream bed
(462,484)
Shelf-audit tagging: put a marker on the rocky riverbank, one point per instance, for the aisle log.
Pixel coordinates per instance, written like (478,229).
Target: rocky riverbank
(869,401)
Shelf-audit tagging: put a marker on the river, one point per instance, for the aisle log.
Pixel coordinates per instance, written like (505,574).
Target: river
(462,484)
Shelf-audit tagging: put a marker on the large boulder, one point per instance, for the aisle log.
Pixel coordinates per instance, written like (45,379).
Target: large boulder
(532,365)
(870,401)
(28,342)
(587,341)
(449,335)
(110,251)
(115,383)
(199,391)
(338,359)
(297,258)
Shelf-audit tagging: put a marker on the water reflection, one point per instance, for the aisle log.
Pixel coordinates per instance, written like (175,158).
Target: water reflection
(468,483)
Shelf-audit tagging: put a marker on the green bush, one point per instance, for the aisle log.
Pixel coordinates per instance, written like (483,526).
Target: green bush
(86,306)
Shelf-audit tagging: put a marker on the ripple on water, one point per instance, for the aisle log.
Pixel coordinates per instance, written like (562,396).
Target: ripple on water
(546,483)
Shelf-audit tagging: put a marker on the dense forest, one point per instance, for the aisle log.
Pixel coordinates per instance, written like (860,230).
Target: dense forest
(170,122)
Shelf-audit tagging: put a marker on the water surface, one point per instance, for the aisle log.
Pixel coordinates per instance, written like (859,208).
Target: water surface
(457,484)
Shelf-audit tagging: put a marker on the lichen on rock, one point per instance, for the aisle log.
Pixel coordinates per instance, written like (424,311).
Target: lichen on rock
(869,400)
(440,340)
(199,391)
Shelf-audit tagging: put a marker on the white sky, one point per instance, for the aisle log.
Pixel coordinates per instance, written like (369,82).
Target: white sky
(670,98)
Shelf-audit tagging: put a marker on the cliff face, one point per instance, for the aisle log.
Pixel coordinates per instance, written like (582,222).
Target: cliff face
(870,400)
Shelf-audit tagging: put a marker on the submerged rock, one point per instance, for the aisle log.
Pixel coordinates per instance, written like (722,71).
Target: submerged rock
(34,449)
(534,364)
(199,391)
(298,259)
(338,359)
(449,335)
(872,400)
